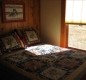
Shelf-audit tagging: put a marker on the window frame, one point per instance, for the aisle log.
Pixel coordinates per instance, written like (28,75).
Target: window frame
(64,27)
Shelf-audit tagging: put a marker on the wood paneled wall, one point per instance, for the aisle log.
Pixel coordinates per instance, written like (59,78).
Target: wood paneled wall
(31,16)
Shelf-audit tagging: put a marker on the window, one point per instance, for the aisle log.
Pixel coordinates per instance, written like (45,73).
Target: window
(75,14)
(77,36)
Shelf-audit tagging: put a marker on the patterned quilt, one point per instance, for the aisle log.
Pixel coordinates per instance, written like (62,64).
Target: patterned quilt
(52,66)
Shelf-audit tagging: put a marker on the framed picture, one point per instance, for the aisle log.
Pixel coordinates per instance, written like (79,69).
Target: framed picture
(13,12)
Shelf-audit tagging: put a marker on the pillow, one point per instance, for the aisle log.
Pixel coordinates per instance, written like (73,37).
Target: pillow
(31,37)
(28,37)
(21,35)
(10,42)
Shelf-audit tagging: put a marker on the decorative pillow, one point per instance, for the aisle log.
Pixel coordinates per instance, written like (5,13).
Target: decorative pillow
(21,35)
(10,42)
(28,37)
(31,37)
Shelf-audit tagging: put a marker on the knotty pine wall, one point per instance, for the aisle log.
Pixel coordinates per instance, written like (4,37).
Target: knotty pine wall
(31,17)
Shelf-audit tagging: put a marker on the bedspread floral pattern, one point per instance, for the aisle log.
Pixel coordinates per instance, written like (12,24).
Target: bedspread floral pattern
(55,66)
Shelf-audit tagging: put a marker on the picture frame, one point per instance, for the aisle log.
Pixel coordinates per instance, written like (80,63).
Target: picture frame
(13,12)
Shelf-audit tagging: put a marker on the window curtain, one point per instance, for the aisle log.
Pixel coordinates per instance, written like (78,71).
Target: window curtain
(75,11)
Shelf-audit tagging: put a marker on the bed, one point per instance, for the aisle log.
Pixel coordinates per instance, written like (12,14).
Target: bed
(47,62)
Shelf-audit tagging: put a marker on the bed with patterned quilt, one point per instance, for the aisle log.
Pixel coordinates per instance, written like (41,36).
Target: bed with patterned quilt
(47,62)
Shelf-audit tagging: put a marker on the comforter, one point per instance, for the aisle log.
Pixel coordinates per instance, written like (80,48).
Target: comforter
(47,62)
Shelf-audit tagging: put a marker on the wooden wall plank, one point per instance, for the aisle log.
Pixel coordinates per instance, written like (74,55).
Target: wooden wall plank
(31,16)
